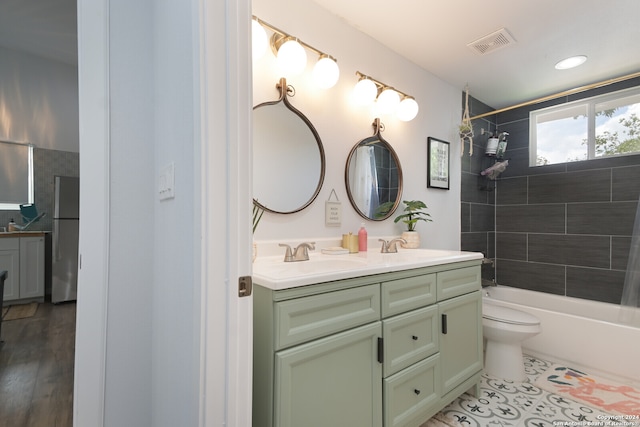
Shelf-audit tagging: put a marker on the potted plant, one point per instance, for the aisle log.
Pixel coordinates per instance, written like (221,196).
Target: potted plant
(414,211)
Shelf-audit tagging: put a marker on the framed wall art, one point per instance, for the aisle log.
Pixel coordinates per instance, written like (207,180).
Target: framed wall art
(437,163)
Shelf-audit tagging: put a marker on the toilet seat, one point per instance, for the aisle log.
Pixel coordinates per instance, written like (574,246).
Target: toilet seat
(508,315)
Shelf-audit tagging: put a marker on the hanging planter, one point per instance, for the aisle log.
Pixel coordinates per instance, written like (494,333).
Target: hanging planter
(466,128)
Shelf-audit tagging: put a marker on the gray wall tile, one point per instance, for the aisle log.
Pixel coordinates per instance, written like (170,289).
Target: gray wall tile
(475,242)
(601,218)
(620,247)
(594,284)
(512,191)
(570,187)
(625,183)
(482,217)
(587,251)
(531,218)
(532,276)
(511,246)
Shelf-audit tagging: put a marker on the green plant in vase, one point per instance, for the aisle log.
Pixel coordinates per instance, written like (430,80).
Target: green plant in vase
(414,211)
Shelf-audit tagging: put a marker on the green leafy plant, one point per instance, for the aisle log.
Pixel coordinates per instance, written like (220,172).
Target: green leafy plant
(413,212)
(257,216)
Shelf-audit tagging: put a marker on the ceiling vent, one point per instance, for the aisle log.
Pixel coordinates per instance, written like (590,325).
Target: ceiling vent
(494,41)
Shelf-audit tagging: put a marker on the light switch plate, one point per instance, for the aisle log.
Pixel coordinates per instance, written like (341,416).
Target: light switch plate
(166,183)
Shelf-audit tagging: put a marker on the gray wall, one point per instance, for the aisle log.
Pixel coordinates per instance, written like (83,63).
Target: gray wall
(563,229)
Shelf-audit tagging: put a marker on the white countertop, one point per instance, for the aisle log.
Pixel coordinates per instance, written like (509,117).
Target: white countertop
(273,273)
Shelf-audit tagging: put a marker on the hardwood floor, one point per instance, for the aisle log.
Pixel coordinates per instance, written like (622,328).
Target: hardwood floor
(36,368)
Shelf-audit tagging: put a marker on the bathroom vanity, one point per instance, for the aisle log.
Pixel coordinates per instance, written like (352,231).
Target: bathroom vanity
(365,339)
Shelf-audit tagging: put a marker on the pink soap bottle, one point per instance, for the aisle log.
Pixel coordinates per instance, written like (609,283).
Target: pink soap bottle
(362,238)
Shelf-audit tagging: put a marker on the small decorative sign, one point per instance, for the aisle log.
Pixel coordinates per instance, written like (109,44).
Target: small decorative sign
(333,211)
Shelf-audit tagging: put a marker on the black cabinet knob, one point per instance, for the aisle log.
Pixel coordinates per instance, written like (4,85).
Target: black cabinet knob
(414,337)
(416,391)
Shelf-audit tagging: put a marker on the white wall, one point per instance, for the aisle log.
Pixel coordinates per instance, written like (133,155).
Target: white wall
(341,124)
(129,356)
(175,303)
(38,101)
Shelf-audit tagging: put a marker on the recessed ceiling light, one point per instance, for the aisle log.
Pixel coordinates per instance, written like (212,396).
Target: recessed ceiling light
(571,62)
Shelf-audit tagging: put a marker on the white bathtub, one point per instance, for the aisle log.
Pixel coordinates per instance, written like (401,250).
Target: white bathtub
(587,334)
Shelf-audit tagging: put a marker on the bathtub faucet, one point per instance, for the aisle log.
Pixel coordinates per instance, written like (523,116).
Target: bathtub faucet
(487,282)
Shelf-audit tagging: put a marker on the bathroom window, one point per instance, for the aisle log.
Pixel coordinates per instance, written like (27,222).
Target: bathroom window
(601,126)
(16,175)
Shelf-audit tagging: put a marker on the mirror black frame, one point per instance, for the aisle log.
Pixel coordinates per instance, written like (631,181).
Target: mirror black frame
(376,136)
(284,91)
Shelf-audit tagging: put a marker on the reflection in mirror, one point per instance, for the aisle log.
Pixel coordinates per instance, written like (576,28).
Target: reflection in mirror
(288,156)
(373,177)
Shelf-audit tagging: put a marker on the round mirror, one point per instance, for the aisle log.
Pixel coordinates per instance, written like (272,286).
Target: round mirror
(373,177)
(288,157)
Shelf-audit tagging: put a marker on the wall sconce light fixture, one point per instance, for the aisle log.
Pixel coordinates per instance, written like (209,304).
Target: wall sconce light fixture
(291,55)
(388,100)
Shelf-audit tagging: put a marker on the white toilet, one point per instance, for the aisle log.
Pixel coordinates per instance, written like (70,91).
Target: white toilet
(504,330)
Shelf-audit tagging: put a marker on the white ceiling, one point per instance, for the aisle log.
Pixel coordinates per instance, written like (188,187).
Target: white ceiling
(434,35)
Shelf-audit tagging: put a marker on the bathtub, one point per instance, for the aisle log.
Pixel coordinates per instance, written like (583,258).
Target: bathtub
(586,334)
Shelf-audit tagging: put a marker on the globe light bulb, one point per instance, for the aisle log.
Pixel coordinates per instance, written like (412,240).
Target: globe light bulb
(258,40)
(326,72)
(292,59)
(408,109)
(388,101)
(365,92)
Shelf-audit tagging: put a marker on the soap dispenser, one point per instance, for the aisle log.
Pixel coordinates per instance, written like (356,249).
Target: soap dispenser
(362,238)
(11,226)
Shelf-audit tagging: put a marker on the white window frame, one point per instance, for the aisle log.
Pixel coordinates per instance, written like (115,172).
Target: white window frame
(30,180)
(590,104)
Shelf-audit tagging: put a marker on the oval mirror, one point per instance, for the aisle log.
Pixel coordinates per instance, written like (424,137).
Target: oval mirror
(288,157)
(373,177)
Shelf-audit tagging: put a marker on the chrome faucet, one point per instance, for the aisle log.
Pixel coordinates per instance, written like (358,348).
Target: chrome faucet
(390,247)
(300,253)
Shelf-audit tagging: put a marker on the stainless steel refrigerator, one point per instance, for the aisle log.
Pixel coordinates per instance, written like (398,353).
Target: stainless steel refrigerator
(66,218)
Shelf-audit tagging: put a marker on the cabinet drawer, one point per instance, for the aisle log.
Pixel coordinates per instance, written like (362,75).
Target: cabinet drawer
(9,243)
(306,318)
(458,282)
(409,338)
(410,394)
(399,296)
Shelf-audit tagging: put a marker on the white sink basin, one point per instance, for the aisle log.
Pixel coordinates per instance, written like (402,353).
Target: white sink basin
(276,274)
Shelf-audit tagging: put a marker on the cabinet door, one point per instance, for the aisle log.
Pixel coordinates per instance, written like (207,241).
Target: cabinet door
(333,381)
(32,267)
(460,339)
(10,261)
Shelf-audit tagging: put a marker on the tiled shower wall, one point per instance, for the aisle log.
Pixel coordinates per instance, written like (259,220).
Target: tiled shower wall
(46,164)
(566,228)
(478,193)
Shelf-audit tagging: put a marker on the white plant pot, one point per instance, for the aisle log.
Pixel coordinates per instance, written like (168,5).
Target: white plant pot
(412,238)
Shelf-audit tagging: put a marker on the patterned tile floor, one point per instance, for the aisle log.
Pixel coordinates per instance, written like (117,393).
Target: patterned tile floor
(505,403)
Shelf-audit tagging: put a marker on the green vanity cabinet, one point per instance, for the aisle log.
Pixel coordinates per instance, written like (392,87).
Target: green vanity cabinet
(332,381)
(389,349)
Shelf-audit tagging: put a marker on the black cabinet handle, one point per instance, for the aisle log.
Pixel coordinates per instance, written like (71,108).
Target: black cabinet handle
(380,350)
(444,324)
(414,337)
(416,391)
